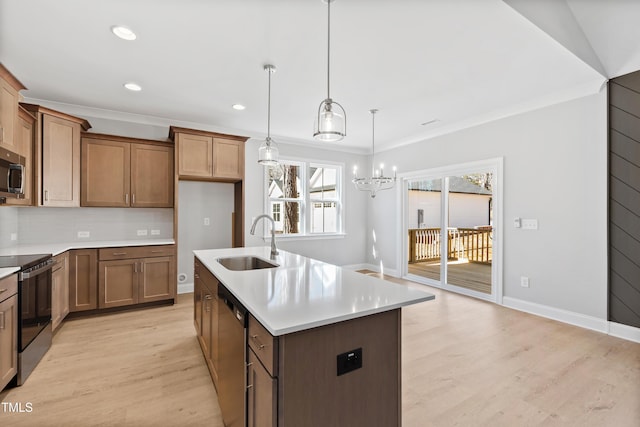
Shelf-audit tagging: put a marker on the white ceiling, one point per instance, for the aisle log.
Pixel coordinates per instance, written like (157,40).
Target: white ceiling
(462,62)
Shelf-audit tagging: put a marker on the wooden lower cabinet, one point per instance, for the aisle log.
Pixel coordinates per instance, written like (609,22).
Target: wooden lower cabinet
(206,316)
(8,329)
(125,278)
(60,290)
(83,280)
(262,394)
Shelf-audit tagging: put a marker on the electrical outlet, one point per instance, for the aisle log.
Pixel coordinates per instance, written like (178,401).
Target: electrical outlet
(207,221)
(155,232)
(142,232)
(524,281)
(529,224)
(83,234)
(14,236)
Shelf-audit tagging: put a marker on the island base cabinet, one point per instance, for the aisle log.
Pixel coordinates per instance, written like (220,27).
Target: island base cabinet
(8,329)
(262,394)
(310,391)
(60,290)
(205,295)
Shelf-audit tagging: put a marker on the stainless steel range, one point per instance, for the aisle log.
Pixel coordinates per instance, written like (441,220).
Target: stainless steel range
(34,316)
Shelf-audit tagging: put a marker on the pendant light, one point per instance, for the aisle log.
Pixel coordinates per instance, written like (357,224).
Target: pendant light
(268,151)
(331,122)
(377,181)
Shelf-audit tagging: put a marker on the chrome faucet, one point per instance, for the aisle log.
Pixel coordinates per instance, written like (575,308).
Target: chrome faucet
(274,250)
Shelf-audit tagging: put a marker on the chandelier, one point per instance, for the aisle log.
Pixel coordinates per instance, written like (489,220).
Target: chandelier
(377,181)
(331,122)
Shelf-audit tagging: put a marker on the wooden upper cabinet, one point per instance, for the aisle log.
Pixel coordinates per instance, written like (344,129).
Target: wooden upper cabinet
(56,156)
(25,137)
(208,156)
(228,158)
(60,162)
(151,175)
(126,172)
(195,154)
(105,173)
(9,98)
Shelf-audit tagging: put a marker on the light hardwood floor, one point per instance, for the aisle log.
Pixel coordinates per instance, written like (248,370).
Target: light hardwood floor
(465,362)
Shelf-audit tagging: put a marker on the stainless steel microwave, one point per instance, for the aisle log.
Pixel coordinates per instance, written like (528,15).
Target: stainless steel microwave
(12,174)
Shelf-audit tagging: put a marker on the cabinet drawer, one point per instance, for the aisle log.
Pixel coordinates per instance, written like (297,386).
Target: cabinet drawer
(264,345)
(8,286)
(129,252)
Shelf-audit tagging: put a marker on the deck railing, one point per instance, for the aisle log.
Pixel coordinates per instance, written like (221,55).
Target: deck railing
(471,244)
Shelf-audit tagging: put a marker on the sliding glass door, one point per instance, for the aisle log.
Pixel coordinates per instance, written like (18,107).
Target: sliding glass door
(450,229)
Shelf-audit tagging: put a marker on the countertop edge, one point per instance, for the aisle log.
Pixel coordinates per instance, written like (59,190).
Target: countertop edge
(7,271)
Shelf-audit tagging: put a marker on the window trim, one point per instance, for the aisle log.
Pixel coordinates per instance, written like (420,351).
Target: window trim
(306,200)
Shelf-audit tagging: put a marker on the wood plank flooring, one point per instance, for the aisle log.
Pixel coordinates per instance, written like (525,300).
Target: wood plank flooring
(470,275)
(466,362)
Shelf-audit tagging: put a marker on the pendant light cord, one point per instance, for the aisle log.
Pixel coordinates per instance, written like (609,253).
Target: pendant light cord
(269,108)
(328,44)
(373,142)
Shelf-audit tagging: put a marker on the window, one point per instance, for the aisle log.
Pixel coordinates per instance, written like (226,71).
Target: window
(305,198)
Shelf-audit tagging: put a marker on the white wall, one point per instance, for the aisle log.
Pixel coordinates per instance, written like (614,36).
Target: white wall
(555,170)
(347,250)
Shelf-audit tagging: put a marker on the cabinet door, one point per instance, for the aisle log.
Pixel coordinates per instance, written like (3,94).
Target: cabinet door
(157,279)
(228,158)
(151,176)
(60,162)
(197,300)
(60,290)
(8,116)
(262,395)
(105,173)
(207,312)
(83,280)
(195,153)
(118,283)
(8,340)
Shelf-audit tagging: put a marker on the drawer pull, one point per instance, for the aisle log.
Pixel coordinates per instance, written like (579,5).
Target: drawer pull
(255,338)
(119,253)
(197,276)
(1,319)
(157,252)
(2,291)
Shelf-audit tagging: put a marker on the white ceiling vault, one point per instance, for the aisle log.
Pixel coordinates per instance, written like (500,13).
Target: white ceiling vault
(461,62)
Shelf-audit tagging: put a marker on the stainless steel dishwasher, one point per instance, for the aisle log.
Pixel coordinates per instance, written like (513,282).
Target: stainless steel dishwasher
(231,358)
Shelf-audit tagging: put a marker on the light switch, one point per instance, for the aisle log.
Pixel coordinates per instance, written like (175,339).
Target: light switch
(517,223)
(207,221)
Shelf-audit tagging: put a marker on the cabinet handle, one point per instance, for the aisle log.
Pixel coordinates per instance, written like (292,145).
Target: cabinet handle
(46,195)
(2,291)
(2,134)
(197,276)
(135,267)
(126,199)
(255,338)
(141,267)
(157,252)
(133,198)
(207,305)
(1,319)
(119,253)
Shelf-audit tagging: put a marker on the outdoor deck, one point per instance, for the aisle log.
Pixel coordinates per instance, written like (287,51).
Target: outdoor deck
(470,275)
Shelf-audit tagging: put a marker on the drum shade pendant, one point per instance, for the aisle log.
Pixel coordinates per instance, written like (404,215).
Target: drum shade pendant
(331,122)
(268,153)
(377,181)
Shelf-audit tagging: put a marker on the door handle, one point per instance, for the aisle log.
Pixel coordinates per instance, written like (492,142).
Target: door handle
(1,319)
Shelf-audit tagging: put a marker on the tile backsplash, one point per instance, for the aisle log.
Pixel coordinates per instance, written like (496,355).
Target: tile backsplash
(8,226)
(50,225)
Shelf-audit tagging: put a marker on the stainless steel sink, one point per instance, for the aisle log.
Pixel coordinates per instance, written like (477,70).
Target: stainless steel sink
(243,263)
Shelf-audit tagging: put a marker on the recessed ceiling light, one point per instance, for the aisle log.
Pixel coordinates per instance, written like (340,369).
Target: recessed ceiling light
(238,107)
(429,122)
(123,32)
(133,87)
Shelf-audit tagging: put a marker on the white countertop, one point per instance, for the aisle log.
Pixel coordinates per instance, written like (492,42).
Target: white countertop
(58,248)
(7,271)
(303,293)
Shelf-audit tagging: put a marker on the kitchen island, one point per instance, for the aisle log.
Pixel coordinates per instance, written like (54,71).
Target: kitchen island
(322,342)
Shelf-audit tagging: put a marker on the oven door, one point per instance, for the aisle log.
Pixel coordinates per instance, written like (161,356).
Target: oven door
(34,295)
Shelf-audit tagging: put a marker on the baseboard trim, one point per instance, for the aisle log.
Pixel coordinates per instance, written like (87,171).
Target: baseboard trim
(354,267)
(565,316)
(185,288)
(624,331)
